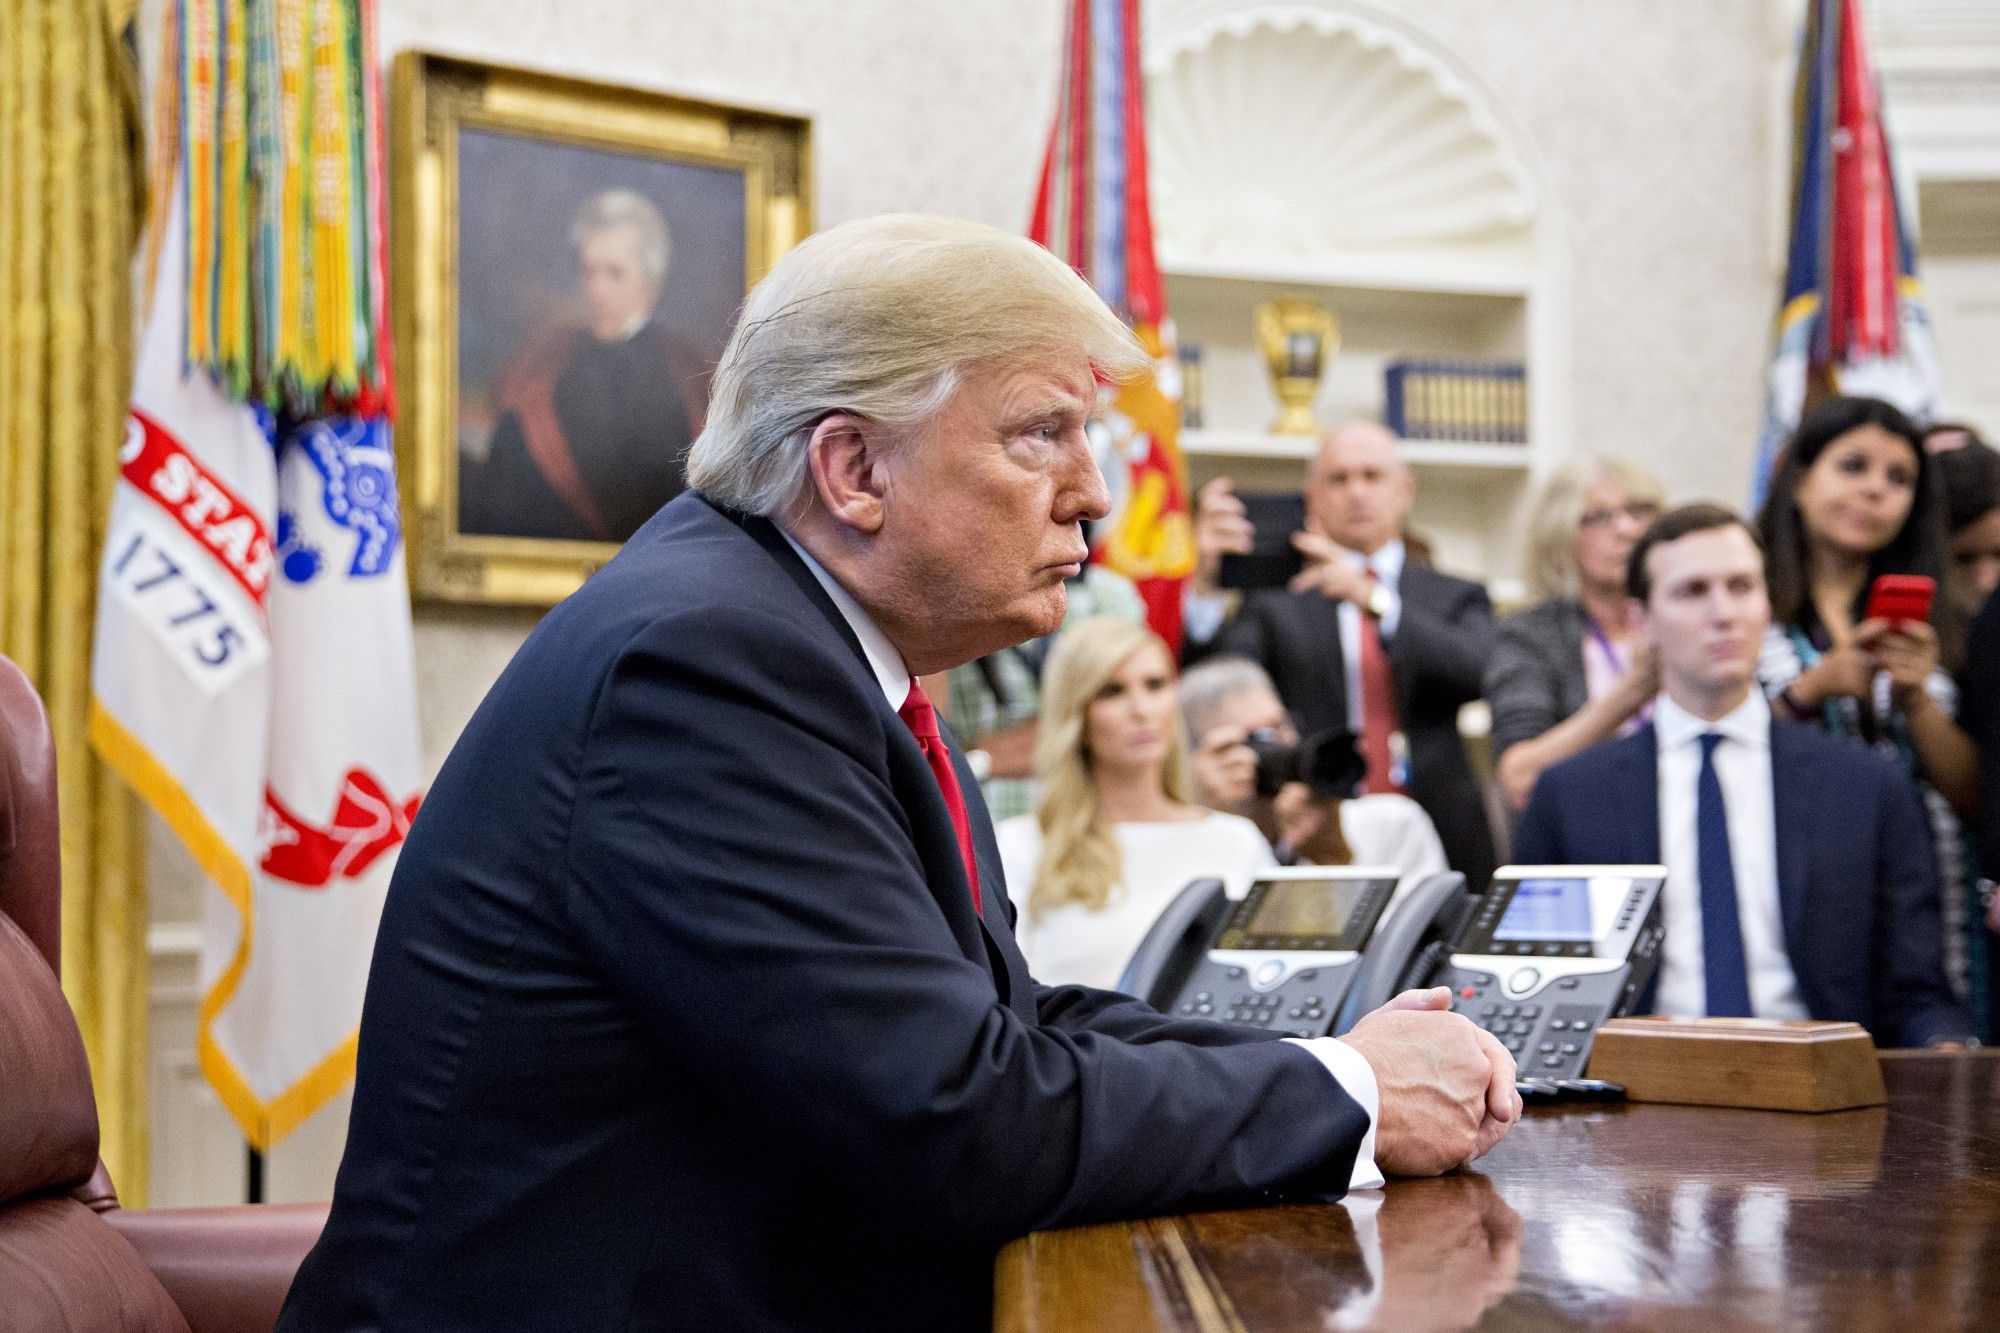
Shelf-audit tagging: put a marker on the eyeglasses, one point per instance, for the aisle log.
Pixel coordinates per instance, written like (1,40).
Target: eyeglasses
(1641,512)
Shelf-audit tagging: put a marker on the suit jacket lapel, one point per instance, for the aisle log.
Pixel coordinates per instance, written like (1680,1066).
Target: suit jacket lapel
(1639,760)
(1638,781)
(1010,969)
(1412,589)
(1322,616)
(1791,810)
(911,777)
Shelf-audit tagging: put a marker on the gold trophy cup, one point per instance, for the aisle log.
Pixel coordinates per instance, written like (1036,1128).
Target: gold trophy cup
(1299,339)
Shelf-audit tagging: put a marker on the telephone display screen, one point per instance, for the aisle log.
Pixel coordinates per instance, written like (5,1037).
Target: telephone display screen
(1310,913)
(1548,909)
(1559,916)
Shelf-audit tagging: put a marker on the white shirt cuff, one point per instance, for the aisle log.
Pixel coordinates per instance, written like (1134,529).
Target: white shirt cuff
(1350,1069)
(1202,614)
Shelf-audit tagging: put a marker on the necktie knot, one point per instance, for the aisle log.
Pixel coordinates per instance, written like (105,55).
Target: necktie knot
(918,715)
(1709,740)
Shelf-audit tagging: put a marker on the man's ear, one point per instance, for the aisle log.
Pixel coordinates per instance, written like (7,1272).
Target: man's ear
(845,457)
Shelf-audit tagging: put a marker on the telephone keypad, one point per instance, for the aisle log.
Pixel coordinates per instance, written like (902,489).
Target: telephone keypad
(1303,1004)
(1548,1037)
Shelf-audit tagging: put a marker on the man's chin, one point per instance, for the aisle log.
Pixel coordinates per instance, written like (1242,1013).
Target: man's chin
(1042,613)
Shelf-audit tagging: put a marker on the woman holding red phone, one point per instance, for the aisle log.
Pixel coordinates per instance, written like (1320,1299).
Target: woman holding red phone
(1860,642)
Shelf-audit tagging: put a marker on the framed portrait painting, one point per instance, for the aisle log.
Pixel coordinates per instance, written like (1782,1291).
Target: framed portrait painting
(570,257)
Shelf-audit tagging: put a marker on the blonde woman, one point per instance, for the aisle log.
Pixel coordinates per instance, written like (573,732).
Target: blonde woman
(1116,834)
(1568,672)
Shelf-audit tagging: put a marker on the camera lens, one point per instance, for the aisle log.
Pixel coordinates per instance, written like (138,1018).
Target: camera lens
(1278,762)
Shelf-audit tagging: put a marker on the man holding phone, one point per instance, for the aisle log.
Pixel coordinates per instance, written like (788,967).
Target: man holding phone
(1800,877)
(1356,636)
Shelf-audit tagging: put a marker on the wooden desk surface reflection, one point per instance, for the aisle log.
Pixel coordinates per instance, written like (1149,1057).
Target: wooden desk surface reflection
(1632,1217)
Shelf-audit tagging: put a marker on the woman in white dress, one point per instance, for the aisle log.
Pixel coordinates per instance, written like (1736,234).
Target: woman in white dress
(1115,835)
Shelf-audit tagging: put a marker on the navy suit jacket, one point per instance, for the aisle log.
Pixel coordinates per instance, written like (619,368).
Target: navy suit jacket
(680,1015)
(1438,658)
(1857,876)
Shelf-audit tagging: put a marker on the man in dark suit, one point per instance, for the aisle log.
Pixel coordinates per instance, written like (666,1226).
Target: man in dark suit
(1800,877)
(696,1003)
(1365,640)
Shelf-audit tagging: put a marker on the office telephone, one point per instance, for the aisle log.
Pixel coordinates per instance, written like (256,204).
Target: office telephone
(1281,958)
(1541,961)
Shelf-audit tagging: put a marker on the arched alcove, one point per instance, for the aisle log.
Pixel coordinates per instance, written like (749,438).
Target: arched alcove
(1316,133)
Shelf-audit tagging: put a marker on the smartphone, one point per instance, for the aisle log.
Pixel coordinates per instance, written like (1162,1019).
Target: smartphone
(1273,561)
(1900,598)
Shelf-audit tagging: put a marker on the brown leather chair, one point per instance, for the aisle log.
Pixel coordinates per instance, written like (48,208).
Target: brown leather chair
(70,1257)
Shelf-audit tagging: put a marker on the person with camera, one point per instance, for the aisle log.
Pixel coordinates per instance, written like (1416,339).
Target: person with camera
(1116,834)
(1248,759)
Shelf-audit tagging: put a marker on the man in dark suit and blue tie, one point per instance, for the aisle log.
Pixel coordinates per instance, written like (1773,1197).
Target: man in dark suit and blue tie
(1800,877)
(696,1002)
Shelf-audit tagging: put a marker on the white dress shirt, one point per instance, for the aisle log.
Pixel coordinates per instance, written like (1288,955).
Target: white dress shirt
(1202,616)
(1349,1068)
(1743,766)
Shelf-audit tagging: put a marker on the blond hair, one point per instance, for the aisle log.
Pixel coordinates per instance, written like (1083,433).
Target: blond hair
(1558,514)
(1081,863)
(881,318)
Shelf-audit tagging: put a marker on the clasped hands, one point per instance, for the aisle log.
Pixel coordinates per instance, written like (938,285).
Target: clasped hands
(1446,1087)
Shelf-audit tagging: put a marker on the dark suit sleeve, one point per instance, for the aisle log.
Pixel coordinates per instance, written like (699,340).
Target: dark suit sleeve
(1116,1014)
(1440,651)
(1112,1014)
(1518,687)
(1911,995)
(743,872)
(1242,635)
(1538,837)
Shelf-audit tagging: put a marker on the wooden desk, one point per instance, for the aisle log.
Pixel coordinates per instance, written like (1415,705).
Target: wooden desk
(1630,1217)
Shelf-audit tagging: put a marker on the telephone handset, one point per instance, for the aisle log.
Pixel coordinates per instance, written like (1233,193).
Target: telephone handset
(1411,945)
(1174,943)
(1281,958)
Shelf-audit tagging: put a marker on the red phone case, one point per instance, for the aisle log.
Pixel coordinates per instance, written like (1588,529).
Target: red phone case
(1899,598)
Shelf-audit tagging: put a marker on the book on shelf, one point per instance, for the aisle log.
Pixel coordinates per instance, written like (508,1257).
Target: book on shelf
(1471,401)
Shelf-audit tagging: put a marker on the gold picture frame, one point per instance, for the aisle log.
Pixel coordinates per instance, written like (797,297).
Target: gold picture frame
(468,360)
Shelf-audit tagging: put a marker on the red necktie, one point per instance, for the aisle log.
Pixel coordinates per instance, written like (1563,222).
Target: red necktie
(921,719)
(1379,720)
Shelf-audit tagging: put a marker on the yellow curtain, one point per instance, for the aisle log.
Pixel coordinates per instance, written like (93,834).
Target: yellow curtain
(71,198)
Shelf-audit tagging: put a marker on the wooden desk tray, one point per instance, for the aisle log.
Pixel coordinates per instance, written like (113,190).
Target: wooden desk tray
(1764,1064)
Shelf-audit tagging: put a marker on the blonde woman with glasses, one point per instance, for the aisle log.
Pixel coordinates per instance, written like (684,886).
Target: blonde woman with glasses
(1567,672)
(1116,834)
